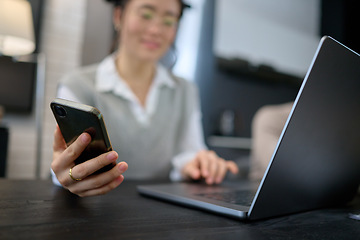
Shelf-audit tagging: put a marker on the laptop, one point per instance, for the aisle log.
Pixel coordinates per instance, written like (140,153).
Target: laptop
(316,162)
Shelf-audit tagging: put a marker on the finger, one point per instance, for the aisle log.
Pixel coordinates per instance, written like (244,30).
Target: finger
(232,167)
(203,164)
(192,171)
(92,165)
(99,181)
(59,142)
(59,146)
(65,160)
(221,172)
(75,149)
(213,160)
(103,189)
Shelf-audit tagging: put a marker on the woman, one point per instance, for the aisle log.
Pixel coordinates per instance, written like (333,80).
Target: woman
(153,117)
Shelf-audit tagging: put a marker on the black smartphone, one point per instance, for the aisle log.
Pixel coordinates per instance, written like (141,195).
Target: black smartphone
(75,118)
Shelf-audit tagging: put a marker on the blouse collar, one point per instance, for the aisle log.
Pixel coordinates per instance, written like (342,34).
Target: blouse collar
(107,78)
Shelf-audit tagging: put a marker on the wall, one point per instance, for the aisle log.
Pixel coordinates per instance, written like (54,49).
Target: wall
(98,31)
(188,40)
(275,33)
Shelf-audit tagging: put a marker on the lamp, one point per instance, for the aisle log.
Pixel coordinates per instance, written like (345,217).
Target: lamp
(16,28)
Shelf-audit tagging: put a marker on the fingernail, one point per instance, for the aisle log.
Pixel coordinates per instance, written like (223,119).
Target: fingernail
(120,179)
(123,167)
(85,138)
(112,156)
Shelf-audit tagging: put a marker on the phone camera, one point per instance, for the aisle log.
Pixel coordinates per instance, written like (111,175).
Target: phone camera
(60,111)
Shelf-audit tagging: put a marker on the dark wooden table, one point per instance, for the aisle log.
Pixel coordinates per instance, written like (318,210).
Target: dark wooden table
(39,210)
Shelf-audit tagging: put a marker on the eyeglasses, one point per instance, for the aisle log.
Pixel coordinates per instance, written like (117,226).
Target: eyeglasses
(149,14)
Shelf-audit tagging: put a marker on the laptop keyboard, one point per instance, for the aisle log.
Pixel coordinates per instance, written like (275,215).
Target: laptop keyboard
(238,197)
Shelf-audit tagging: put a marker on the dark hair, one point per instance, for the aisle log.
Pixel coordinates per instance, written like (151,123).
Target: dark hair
(122,4)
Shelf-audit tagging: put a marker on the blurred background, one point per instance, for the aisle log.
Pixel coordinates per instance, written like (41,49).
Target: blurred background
(242,54)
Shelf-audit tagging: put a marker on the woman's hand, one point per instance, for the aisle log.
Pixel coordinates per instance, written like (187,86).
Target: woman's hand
(83,183)
(209,166)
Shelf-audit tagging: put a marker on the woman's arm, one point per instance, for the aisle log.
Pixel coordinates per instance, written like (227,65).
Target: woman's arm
(191,144)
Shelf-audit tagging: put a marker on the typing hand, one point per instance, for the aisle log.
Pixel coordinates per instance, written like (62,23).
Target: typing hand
(79,180)
(209,166)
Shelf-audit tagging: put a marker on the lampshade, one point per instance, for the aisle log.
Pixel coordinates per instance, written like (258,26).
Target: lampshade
(16,28)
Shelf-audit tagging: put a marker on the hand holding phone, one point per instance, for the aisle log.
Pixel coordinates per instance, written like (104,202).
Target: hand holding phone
(74,119)
(91,155)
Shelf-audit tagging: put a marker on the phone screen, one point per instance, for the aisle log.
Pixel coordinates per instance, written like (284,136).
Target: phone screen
(74,119)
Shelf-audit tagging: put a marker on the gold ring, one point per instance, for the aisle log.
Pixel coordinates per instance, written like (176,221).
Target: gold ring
(75,179)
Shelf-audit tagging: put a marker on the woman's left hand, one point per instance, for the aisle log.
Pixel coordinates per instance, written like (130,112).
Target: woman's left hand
(209,166)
